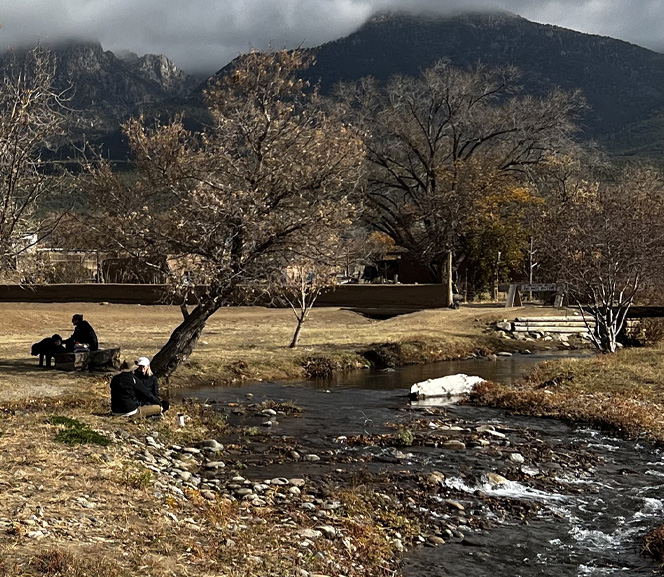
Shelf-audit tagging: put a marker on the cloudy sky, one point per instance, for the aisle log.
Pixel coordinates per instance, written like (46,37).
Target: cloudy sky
(203,35)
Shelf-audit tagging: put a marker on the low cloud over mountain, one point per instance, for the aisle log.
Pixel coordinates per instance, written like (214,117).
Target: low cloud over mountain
(201,36)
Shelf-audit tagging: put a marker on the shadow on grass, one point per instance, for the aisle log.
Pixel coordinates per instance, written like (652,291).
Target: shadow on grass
(24,367)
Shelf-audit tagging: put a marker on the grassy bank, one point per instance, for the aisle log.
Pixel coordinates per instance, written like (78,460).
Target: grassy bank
(623,392)
(242,343)
(80,504)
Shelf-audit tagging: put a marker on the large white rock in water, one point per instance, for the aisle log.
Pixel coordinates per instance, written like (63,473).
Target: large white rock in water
(450,386)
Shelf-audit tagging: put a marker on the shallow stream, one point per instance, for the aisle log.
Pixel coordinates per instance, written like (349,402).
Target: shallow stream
(592,533)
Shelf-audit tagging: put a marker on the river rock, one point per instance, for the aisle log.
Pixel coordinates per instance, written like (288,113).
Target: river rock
(310,534)
(517,458)
(455,504)
(454,445)
(215,465)
(504,354)
(504,326)
(435,541)
(436,478)
(294,491)
(312,458)
(329,531)
(444,387)
(297,482)
(530,471)
(496,479)
(212,444)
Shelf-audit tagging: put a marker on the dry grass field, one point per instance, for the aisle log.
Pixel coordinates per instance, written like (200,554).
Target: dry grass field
(237,344)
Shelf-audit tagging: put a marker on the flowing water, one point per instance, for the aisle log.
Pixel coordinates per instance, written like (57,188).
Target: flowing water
(592,533)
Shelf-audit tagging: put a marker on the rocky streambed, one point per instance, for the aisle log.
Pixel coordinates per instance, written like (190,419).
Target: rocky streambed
(458,488)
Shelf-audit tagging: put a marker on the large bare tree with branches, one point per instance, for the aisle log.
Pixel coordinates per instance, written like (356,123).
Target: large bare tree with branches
(440,144)
(269,180)
(31,118)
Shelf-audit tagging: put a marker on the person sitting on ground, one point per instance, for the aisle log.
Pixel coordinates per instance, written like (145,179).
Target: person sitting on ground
(148,389)
(131,396)
(84,334)
(47,349)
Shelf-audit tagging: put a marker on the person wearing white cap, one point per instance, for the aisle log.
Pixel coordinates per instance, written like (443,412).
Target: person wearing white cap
(144,375)
(129,396)
(148,385)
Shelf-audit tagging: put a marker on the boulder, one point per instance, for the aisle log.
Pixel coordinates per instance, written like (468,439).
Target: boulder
(452,385)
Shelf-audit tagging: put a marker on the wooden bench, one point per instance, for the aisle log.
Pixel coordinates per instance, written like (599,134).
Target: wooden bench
(88,360)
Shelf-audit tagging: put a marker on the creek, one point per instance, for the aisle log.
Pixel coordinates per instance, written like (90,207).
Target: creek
(590,529)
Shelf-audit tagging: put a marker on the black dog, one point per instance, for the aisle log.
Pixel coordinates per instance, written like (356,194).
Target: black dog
(47,348)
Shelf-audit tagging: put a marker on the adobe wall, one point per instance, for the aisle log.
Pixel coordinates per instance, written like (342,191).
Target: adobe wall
(351,296)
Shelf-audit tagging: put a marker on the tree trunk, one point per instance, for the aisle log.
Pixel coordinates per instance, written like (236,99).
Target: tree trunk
(182,341)
(298,330)
(448,297)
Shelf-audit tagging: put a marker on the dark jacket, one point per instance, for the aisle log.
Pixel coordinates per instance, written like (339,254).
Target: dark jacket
(123,393)
(85,334)
(147,389)
(148,384)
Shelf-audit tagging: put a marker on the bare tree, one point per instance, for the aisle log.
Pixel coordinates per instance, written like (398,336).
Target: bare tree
(272,176)
(440,143)
(302,282)
(31,118)
(605,240)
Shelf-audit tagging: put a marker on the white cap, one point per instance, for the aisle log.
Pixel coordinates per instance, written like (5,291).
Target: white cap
(143,362)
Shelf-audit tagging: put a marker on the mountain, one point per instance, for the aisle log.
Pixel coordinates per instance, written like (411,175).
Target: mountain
(623,83)
(104,90)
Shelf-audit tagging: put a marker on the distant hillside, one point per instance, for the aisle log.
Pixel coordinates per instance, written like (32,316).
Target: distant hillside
(105,90)
(623,83)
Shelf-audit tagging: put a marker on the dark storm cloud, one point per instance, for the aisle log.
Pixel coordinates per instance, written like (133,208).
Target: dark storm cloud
(202,35)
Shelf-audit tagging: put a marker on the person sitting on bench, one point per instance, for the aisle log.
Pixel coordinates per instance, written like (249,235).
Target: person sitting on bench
(84,334)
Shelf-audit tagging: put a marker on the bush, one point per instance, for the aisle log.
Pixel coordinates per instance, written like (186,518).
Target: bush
(405,437)
(318,367)
(384,356)
(650,332)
